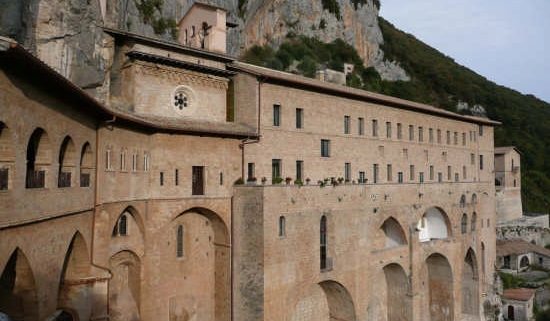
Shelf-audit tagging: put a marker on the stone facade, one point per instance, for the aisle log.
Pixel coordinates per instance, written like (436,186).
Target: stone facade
(508,184)
(136,215)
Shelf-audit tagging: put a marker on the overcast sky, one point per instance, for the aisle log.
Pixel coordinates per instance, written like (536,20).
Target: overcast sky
(507,41)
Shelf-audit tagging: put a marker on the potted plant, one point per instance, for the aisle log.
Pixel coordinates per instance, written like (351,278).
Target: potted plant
(288,180)
(251,180)
(308,180)
(340,180)
(264,179)
(239,181)
(277,180)
(298,182)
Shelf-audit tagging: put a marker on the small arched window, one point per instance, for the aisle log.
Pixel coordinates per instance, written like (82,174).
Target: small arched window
(179,241)
(474,221)
(323,242)
(511,314)
(463,201)
(474,199)
(282,226)
(123,225)
(464,224)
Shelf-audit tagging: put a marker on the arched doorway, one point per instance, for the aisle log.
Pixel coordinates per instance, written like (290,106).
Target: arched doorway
(524,262)
(326,301)
(75,293)
(470,284)
(200,246)
(393,232)
(440,288)
(18,290)
(125,287)
(397,290)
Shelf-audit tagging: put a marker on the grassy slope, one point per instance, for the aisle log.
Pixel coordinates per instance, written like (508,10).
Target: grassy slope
(440,81)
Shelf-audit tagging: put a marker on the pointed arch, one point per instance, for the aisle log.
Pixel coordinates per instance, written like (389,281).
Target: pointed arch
(66,162)
(464,224)
(397,290)
(473,222)
(125,286)
(39,157)
(86,164)
(122,224)
(18,297)
(394,233)
(470,288)
(474,199)
(434,225)
(440,288)
(340,302)
(462,203)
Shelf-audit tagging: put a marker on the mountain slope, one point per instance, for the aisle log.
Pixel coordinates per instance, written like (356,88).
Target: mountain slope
(437,80)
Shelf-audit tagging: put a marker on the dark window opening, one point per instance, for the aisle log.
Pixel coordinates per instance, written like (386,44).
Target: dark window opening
(299,170)
(323,242)
(179,242)
(198,180)
(276,115)
(282,226)
(325,148)
(299,118)
(276,169)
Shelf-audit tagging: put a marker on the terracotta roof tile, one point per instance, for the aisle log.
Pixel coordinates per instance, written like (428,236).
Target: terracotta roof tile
(510,247)
(519,294)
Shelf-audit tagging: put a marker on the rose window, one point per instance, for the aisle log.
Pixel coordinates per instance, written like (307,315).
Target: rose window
(180,100)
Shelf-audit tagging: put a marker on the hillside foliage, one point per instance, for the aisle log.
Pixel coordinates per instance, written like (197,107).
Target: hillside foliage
(439,81)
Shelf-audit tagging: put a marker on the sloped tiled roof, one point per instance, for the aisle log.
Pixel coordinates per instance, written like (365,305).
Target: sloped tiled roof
(519,294)
(511,247)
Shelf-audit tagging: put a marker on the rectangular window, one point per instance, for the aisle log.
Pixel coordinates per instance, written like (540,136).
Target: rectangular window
(448,137)
(439,136)
(388,130)
(449,173)
(456,138)
(347,121)
(198,180)
(420,134)
(108,165)
(176,177)
(347,172)
(276,115)
(431,172)
(480,130)
(251,168)
(389,174)
(440,177)
(464,173)
(361,124)
(481,162)
(375,128)
(276,169)
(431,135)
(145,162)
(362,178)
(123,161)
(399,131)
(472,159)
(421,177)
(400,177)
(134,162)
(221,178)
(161,178)
(299,118)
(300,170)
(411,173)
(325,148)
(463,139)
(457,177)
(375,173)
(411,132)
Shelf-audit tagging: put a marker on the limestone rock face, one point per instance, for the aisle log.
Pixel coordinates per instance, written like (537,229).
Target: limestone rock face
(68,35)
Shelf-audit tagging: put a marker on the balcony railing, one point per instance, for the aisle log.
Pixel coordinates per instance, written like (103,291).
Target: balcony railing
(36,179)
(4,179)
(64,179)
(84,180)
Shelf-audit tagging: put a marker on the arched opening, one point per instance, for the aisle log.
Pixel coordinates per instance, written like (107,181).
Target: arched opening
(434,225)
(282,226)
(326,301)
(474,222)
(127,223)
(18,290)
(397,290)
(470,289)
(86,165)
(67,163)
(125,287)
(39,157)
(440,288)
(524,262)
(340,303)
(7,157)
(394,233)
(462,201)
(323,242)
(464,224)
(75,294)
(474,199)
(202,239)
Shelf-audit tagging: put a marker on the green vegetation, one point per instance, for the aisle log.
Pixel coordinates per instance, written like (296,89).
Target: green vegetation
(150,12)
(436,80)
(242,8)
(510,281)
(333,7)
(356,3)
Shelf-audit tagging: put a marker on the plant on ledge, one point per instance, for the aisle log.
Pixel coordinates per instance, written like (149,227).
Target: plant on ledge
(264,179)
(277,180)
(288,180)
(239,181)
(308,180)
(298,182)
(251,180)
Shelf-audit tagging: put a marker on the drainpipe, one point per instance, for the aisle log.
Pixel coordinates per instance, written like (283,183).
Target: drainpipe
(248,140)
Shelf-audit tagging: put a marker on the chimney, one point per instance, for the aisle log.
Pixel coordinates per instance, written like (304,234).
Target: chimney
(204,27)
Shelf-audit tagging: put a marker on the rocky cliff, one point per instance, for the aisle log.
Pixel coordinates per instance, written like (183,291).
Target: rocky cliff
(68,36)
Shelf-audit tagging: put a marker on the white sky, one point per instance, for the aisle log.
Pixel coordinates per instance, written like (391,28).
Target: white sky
(507,41)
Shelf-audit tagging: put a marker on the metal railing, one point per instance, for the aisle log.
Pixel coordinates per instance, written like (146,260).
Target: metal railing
(4,179)
(35,179)
(84,180)
(64,179)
